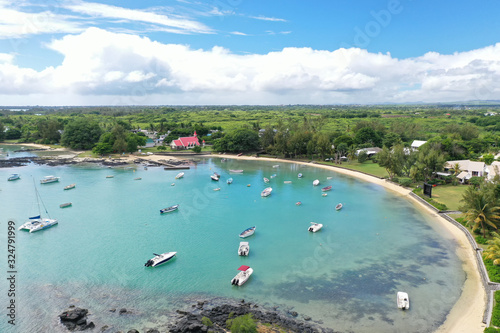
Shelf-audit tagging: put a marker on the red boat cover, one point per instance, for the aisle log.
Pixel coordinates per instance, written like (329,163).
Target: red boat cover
(243,268)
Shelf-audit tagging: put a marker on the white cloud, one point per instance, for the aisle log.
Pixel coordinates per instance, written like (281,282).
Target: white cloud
(264,18)
(108,11)
(239,33)
(102,67)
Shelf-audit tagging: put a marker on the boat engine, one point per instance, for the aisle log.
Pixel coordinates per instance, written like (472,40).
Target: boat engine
(149,263)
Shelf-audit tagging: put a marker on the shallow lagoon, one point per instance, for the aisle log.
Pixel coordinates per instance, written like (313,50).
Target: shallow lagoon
(346,276)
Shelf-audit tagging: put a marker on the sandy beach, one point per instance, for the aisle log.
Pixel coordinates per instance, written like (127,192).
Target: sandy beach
(467,314)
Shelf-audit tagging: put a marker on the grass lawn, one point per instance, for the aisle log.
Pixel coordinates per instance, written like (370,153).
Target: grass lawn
(449,195)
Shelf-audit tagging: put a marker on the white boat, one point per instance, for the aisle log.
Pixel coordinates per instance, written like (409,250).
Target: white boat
(242,276)
(329,178)
(276,166)
(266,192)
(324,194)
(215,176)
(137,178)
(49,179)
(287,182)
(299,175)
(244,249)
(229,181)
(179,175)
(247,232)
(403,300)
(169,209)
(316,182)
(273,175)
(315,227)
(110,176)
(160,259)
(217,189)
(339,206)
(37,223)
(236,171)
(69,187)
(266,180)
(298,203)
(14,176)
(64,205)
(326,188)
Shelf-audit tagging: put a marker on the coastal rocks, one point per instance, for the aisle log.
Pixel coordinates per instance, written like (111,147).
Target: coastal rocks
(218,315)
(75,319)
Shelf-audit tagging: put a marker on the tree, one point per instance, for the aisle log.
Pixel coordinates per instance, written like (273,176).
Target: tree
(488,158)
(196,149)
(481,209)
(242,324)
(362,156)
(391,139)
(390,161)
(243,139)
(367,135)
(429,161)
(493,250)
(81,133)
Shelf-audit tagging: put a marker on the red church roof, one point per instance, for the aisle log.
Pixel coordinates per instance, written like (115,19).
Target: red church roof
(186,141)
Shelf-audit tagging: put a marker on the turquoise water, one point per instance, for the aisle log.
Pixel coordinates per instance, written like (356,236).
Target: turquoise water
(345,276)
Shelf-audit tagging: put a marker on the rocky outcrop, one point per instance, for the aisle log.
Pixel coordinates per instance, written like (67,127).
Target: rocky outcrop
(75,319)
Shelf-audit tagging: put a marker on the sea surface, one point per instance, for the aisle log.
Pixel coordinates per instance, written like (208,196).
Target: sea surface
(344,277)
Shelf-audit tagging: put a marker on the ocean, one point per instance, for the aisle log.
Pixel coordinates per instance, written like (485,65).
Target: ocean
(344,277)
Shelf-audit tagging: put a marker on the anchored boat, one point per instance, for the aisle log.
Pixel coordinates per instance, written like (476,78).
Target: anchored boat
(242,276)
(160,259)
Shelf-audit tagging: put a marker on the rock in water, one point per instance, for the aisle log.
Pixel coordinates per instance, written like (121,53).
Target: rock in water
(75,319)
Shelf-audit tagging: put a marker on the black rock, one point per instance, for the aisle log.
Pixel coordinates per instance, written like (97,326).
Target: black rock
(133,331)
(123,310)
(75,319)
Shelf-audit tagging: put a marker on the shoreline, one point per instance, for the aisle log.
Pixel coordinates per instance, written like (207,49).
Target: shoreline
(464,317)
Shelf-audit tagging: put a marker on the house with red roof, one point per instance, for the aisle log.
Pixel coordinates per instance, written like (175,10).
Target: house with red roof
(185,142)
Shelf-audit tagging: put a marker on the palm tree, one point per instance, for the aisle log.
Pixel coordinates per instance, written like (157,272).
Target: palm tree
(481,210)
(456,169)
(493,250)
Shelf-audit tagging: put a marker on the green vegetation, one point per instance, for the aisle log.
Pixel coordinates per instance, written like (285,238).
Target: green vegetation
(242,324)
(449,195)
(481,208)
(207,322)
(495,316)
(491,330)
(493,270)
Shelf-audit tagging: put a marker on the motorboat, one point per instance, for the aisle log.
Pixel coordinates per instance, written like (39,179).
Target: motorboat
(37,223)
(179,175)
(160,259)
(266,180)
(247,232)
(326,188)
(69,187)
(215,176)
(217,189)
(49,179)
(173,184)
(137,178)
(315,227)
(403,300)
(299,175)
(242,276)
(324,194)
(14,176)
(64,205)
(287,182)
(298,203)
(266,192)
(110,176)
(316,182)
(244,249)
(273,175)
(236,171)
(169,209)
(339,206)
(229,181)
(276,166)
(329,178)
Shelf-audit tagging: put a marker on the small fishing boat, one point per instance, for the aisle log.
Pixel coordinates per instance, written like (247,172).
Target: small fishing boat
(316,182)
(324,194)
(179,175)
(248,185)
(49,179)
(287,182)
(69,187)
(137,178)
(244,249)
(329,178)
(217,189)
(242,276)
(229,181)
(215,176)
(236,171)
(266,192)
(298,203)
(64,205)
(110,176)
(266,180)
(402,300)
(299,175)
(173,184)
(14,176)
(169,209)
(276,166)
(339,206)
(273,175)
(315,227)
(247,232)
(326,188)
(160,259)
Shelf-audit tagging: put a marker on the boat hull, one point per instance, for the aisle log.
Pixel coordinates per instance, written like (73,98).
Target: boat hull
(248,232)
(160,259)
(241,277)
(37,225)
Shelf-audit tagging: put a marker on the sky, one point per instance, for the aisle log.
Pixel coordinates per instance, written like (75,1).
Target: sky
(241,52)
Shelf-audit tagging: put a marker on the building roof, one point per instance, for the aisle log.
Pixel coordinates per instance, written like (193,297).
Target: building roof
(187,141)
(466,165)
(417,143)
(462,175)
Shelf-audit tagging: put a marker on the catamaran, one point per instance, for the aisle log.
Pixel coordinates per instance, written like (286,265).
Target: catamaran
(37,223)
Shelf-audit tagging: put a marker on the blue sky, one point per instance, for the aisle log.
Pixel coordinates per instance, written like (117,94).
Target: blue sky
(248,52)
